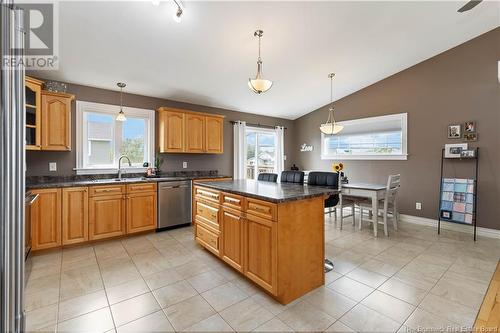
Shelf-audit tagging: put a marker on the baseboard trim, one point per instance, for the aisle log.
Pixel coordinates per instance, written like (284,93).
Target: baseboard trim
(485,232)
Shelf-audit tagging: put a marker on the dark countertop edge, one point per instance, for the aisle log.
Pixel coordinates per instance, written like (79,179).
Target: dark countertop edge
(264,198)
(93,183)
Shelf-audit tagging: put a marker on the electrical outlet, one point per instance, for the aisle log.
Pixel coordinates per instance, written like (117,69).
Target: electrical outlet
(52,166)
(184,165)
(418,206)
(284,157)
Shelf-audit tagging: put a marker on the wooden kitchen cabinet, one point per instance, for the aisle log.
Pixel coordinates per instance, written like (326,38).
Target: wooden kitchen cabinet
(56,121)
(46,219)
(141,207)
(75,217)
(261,252)
(195,133)
(171,129)
(183,131)
(214,135)
(33,109)
(107,216)
(232,238)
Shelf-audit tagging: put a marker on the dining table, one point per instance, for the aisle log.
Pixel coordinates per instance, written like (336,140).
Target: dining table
(374,192)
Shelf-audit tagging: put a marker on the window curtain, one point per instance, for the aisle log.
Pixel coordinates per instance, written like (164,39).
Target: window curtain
(240,152)
(280,149)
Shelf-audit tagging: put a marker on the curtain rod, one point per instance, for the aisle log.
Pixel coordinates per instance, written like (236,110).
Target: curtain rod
(255,125)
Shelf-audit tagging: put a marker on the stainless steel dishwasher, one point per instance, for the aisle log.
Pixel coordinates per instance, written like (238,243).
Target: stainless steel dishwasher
(174,204)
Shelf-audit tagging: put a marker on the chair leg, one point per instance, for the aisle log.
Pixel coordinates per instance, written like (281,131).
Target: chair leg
(386,232)
(360,217)
(353,215)
(341,216)
(395,221)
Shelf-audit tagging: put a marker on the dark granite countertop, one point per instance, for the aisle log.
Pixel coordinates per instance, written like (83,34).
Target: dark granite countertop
(38,182)
(272,192)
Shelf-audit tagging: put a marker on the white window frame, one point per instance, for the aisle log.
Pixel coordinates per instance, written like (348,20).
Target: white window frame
(403,117)
(265,131)
(81,128)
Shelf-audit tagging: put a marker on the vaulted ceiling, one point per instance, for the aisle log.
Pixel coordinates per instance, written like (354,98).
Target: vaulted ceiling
(209,56)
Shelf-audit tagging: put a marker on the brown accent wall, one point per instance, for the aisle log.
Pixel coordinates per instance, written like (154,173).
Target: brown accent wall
(38,161)
(456,86)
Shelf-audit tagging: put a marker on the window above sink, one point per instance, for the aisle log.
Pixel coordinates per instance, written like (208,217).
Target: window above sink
(101,140)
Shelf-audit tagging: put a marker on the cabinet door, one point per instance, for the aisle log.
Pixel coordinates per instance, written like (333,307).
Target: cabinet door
(195,133)
(261,252)
(141,212)
(171,132)
(33,100)
(106,216)
(214,135)
(46,219)
(232,238)
(75,218)
(56,122)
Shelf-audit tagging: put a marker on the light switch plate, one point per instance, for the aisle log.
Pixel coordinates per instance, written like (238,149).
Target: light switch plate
(52,166)
(184,165)
(418,206)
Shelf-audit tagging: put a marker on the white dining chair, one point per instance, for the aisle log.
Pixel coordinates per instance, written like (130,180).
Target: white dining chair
(344,202)
(386,206)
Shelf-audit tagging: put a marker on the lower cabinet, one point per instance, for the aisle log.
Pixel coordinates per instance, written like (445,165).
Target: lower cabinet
(232,238)
(261,240)
(141,212)
(106,216)
(72,215)
(46,219)
(75,217)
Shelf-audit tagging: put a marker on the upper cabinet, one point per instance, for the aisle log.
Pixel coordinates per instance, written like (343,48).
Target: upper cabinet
(33,101)
(48,117)
(181,131)
(56,121)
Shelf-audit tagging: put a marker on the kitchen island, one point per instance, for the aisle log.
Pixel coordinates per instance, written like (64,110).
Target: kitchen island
(271,233)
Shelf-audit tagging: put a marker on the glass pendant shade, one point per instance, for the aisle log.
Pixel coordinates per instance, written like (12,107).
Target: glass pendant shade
(121,116)
(330,128)
(259,85)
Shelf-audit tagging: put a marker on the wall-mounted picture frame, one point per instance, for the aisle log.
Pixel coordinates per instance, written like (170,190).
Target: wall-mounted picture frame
(454,150)
(468,153)
(470,127)
(470,136)
(455,131)
(446,214)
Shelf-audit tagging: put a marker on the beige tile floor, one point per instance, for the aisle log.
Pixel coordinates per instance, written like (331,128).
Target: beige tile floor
(412,280)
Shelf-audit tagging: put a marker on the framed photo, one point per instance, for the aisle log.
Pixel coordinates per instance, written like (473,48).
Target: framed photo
(468,153)
(470,127)
(454,150)
(454,131)
(470,136)
(446,214)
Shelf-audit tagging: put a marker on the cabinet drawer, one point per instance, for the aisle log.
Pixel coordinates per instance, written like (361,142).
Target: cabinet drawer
(207,194)
(260,208)
(206,212)
(232,201)
(207,238)
(141,187)
(106,190)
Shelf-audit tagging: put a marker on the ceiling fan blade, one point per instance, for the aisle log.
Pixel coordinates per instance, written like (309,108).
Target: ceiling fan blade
(469,5)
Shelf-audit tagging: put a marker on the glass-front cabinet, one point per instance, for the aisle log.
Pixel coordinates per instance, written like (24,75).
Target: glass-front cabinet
(33,105)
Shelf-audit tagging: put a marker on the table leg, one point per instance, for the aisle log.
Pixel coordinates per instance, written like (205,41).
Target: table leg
(375,212)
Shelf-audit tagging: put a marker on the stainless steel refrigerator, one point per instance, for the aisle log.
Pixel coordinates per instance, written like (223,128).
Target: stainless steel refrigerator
(12,157)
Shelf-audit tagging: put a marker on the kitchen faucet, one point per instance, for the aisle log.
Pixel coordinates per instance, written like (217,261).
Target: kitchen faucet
(120,165)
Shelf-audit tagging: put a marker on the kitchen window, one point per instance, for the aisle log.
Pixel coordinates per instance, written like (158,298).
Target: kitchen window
(260,151)
(101,140)
(374,138)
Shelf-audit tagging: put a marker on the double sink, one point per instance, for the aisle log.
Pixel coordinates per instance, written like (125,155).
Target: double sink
(122,180)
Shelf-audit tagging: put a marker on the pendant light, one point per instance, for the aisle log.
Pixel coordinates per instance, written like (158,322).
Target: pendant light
(121,115)
(259,85)
(331,127)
